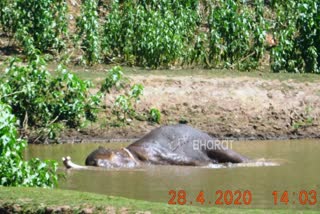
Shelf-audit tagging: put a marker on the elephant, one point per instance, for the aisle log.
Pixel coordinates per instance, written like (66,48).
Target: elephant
(178,144)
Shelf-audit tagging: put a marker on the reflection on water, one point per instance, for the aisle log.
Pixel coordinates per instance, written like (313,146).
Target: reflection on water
(298,171)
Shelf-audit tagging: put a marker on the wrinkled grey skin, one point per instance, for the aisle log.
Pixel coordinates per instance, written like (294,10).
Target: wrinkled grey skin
(167,145)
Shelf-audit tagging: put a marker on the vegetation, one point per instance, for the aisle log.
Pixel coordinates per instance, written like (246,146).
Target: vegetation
(35,24)
(115,79)
(297,28)
(149,33)
(124,106)
(88,31)
(44,103)
(215,34)
(14,170)
(237,34)
(154,115)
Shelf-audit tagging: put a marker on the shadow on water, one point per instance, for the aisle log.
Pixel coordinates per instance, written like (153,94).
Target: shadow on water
(298,171)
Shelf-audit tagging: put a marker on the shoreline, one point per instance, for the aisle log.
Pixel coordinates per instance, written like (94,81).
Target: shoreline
(91,139)
(233,107)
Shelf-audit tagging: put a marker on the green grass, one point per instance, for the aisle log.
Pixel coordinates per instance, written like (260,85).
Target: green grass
(225,73)
(37,200)
(98,72)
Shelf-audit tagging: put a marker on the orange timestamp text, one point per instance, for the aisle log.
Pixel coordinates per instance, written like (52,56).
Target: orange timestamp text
(302,197)
(226,197)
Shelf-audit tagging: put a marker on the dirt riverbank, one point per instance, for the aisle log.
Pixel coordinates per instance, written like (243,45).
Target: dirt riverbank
(240,107)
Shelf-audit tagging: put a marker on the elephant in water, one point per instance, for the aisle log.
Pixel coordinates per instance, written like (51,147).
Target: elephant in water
(168,145)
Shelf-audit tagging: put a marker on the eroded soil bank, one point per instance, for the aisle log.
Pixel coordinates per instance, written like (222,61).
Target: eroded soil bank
(240,107)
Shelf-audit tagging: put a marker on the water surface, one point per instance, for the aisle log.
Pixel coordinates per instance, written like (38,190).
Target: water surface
(298,171)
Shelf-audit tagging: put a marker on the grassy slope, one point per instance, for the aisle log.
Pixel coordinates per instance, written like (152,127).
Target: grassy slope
(38,200)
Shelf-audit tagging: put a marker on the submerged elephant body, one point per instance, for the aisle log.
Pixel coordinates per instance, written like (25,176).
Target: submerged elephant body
(167,145)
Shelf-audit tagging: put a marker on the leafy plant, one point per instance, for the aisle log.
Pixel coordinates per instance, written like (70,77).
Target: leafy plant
(45,103)
(162,33)
(36,24)
(199,53)
(115,79)
(88,31)
(6,20)
(259,27)
(136,91)
(284,56)
(149,33)
(298,32)
(14,170)
(154,115)
(232,28)
(124,106)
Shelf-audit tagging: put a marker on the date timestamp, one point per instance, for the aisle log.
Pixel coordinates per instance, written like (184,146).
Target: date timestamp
(227,197)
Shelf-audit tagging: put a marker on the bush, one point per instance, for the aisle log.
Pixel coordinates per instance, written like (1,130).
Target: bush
(236,34)
(88,31)
(45,102)
(149,33)
(115,79)
(155,33)
(124,104)
(298,35)
(5,16)
(13,170)
(154,115)
(36,24)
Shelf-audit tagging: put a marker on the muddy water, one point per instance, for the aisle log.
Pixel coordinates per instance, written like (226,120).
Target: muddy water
(299,170)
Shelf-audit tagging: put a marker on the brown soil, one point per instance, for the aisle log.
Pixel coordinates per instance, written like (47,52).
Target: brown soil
(239,107)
